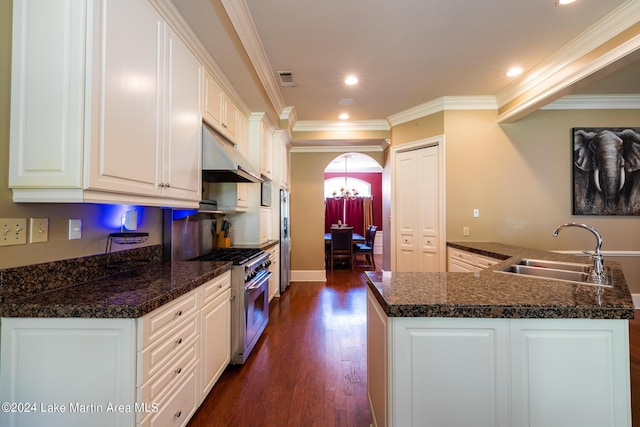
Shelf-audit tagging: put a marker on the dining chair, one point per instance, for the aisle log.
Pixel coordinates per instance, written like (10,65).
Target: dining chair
(366,248)
(341,246)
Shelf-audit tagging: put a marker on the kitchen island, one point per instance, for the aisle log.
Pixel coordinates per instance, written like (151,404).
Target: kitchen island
(494,349)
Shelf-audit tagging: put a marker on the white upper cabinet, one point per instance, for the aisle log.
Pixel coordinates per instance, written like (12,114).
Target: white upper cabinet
(182,173)
(281,159)
(105,106)
(266,165)
(219,110)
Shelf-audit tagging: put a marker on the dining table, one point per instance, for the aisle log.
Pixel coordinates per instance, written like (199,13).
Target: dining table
(357,238)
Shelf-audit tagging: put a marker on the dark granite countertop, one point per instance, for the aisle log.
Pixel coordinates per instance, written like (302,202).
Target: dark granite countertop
(129,294)
(488,294)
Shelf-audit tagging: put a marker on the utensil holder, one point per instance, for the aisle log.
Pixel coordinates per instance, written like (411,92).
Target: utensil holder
(223,242)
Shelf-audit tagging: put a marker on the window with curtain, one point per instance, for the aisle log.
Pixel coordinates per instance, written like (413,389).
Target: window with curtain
(356,213)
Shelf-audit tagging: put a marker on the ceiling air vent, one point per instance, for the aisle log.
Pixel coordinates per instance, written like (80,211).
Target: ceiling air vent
(286,78)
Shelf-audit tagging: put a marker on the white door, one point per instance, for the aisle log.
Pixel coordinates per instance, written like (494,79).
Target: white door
(406,211)
(418,206)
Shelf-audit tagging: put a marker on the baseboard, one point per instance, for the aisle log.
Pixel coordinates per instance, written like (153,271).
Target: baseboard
(636,300)
(308,275)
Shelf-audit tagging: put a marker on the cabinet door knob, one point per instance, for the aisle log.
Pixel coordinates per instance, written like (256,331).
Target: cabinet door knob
(179,313)
(177,414)
(179,341)
(179,370)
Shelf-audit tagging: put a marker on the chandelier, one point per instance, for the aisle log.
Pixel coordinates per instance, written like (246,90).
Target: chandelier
(344,191)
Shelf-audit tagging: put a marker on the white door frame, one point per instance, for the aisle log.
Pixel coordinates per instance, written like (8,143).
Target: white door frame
(437,140)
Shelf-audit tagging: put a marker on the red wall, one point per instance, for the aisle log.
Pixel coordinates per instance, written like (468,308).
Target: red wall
(375,179)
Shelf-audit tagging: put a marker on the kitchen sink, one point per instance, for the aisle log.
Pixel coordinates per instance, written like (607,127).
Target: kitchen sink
(553,270)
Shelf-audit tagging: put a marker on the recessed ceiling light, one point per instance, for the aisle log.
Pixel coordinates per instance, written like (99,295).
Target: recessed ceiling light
(343,116)
(351,80)
(515,71)
(564,2)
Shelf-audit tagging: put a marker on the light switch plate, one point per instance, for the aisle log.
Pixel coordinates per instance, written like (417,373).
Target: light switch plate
(13,231)
(38,230)
(75,229)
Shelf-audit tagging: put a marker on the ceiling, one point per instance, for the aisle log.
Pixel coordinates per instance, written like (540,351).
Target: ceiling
(405,53)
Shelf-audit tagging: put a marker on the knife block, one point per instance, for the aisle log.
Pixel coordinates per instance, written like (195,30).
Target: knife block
(223,242)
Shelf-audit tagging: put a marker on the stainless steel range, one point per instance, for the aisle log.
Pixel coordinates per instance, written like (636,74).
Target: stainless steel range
(249,296)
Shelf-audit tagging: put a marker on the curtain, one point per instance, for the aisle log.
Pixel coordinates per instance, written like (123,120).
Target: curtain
(353,215)
(367,212)
(333,211)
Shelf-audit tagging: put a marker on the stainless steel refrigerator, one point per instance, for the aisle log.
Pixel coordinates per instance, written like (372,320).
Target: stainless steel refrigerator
(285,241)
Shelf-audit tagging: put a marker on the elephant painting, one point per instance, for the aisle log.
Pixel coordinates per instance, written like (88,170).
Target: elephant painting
(605,174)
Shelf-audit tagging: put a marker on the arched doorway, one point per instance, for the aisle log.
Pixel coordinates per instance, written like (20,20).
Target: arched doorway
(353,192)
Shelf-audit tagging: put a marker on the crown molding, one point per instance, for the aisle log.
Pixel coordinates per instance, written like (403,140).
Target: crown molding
(444,103)
(337,149)
(170,13)
(565,67)
(240,17)
(595,102)
(284,136)
(356,125)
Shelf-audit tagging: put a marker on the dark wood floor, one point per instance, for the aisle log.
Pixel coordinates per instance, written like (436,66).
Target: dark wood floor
(309,367)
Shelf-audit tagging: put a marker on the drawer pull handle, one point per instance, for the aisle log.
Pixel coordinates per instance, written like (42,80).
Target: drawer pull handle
(179,341)
(177,414)
(179,370)
(179,313)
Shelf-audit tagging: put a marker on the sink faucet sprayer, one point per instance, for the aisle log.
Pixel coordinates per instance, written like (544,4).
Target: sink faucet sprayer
(597,273)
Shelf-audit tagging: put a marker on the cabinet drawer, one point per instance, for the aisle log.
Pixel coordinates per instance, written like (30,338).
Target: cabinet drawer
(485,261)
(179,405)
(153,359)
(157,387)
(460,266)
(215,287)
(159,321)
(467,257)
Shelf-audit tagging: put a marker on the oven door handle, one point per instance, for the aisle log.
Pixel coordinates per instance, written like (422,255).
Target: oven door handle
(257,281)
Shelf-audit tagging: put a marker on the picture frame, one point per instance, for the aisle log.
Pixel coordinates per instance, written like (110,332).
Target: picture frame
(606,165)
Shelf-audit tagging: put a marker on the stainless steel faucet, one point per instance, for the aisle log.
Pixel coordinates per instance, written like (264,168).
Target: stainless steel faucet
(597,273)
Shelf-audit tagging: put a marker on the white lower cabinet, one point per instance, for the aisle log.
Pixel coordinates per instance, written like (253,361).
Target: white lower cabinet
(274,268)
(151,371)
(67,372)
(497,372)
(570,372)
(216,333)
(179,406)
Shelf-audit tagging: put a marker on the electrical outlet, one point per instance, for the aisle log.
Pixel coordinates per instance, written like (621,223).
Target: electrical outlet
(38,230)
(476,213)
(75,229)
(13,231)
(465,231)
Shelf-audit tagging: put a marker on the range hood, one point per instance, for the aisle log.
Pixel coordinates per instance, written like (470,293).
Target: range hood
(222,162)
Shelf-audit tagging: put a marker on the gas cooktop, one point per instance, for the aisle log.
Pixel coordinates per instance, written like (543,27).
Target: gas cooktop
(238,256)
